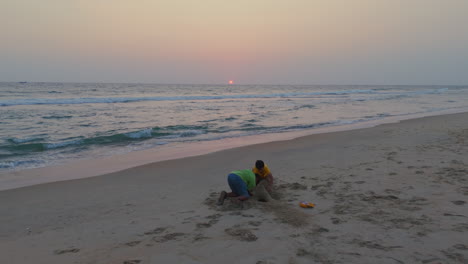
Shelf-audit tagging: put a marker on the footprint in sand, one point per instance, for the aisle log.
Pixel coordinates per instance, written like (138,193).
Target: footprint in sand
(391,155)
(458,257)
(460,227)
(247,215)
(199,237)
(318,230)
(203,225)
(241,234)
(63,251)
(431,261)
(457,215)
(418,201)
(302,252)
(214,216)
(156,231)
(133,261)
(213,221)
(132,243)
(168,237)
(255,223)
(410,222)
(373,245)
(293,186)
(231,204)
(373,198)
(335,220)
(391,191)
(461,246)
(463,190)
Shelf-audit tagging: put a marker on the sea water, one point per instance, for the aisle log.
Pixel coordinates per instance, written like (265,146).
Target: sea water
(43,124)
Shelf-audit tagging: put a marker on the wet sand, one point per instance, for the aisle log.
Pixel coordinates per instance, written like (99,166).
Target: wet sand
(395,193)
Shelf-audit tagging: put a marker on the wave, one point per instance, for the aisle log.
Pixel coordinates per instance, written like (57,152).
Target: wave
(23,163)
(62,144)
(309,106)
(145,133)
(57,117)
(384,96)
(191,133)
(24,140)
(331,123)
(436,91)
(107,100)
(18,146)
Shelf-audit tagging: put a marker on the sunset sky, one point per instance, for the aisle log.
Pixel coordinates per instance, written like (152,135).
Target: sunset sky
(248,41)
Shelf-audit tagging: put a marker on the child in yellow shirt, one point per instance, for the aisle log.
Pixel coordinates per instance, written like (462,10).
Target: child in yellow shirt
(262,170)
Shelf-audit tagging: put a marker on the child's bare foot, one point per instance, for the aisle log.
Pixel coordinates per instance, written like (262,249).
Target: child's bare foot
(221,198)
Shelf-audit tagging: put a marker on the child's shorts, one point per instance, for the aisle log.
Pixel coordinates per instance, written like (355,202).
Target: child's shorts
(237,185)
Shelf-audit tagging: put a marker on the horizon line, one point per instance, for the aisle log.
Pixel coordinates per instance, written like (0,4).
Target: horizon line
(234,84)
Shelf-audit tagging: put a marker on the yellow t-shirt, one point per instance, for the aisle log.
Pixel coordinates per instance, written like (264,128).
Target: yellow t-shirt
(263,174)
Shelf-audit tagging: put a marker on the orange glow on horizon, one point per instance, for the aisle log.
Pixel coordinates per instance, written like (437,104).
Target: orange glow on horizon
(231,82)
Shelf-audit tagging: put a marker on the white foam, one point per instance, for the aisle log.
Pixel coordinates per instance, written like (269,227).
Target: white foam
(191,133)
(146,133)
(24,140)
(62,144)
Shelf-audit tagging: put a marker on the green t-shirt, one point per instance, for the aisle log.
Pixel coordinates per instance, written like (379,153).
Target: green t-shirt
(247,176)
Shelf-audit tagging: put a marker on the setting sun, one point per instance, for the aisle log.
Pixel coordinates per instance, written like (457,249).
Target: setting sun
(231,81)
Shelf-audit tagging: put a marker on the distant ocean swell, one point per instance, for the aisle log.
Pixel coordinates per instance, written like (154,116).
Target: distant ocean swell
(104,100)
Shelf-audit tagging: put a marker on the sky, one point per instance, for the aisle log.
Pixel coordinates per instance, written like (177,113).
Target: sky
(247,41)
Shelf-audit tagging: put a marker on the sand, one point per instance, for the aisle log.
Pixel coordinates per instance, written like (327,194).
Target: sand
(395,193)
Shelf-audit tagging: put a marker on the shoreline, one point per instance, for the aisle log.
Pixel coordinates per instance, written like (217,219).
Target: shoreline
(94,168)
(394,193)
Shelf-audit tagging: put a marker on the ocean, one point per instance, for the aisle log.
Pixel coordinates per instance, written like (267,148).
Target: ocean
(44,124)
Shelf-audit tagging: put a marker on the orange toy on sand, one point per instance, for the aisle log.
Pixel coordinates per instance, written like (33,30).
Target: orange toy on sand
(306,205)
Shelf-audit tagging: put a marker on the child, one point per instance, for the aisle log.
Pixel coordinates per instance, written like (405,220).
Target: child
(241,183)
(264,173)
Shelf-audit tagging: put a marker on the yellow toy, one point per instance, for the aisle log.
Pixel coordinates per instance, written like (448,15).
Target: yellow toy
(306,205)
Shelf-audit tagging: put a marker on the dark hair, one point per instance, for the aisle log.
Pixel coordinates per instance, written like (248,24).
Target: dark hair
(259,164)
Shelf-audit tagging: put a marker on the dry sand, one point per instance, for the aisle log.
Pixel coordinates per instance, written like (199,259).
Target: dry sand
(396,193)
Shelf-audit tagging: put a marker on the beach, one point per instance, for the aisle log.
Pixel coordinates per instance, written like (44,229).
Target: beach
(394,193)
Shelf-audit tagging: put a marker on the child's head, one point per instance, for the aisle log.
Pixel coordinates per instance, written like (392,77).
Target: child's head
(259,164)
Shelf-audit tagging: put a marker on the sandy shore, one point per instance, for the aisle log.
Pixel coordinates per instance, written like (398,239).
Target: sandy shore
(395,193)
